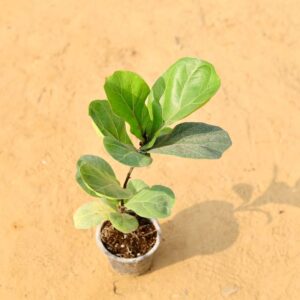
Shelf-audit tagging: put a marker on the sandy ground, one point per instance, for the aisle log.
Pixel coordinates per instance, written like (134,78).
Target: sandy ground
(234,233)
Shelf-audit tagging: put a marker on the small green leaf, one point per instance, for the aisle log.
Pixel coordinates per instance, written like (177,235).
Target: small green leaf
(123,222)
(126,154)
(127,93)
(99,163)
(98,176)
(165,190)
(112,203)
(136,185)
(193,140)
(154,202)
(83,185)
(162,131)
(165,130)
(189,84)
(92,213)
(154,106)
(107,122)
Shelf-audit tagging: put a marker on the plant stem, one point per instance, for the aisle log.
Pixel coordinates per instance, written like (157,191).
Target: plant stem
(125,183)
(127,177)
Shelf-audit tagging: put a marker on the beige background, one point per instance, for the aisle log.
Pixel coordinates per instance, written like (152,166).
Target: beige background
(54,56)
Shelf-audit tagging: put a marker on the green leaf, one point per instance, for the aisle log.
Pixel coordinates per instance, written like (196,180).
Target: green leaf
(107,122)
(166,190)
(98,176)
(126,154)
(154,106)
(127,93)
(92,213)
(83,185)
(99,163)
(165,130)
(123,222)
(112,203)
(154,202)
(193,140)
(136,185)
(189,84)
(162,131)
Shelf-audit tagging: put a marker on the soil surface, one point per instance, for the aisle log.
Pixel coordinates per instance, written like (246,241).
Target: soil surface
(234,230)
(129,245)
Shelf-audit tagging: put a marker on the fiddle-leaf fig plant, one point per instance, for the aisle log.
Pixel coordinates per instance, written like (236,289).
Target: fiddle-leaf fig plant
(149,114)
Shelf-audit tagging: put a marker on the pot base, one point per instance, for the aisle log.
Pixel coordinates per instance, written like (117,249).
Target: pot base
(133,269)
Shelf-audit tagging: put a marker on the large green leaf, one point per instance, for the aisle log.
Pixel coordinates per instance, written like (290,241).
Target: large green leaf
(187,85)
(98,176)
(127,93)
(193,140)
(92,213)
(154,202)
(126,154)
(123,222)
(107,122)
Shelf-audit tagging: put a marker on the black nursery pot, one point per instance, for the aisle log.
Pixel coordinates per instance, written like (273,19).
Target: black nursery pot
(130,266)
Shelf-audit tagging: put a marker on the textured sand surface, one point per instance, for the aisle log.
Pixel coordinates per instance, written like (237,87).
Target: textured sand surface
(235,230)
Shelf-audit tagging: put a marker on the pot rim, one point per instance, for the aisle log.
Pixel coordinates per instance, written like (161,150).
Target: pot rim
(129,260)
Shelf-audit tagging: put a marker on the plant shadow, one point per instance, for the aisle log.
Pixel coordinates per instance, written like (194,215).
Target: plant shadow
(277,192)
(202,229)
(210,227)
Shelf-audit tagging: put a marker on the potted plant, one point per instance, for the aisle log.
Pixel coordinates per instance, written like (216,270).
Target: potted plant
(126,215)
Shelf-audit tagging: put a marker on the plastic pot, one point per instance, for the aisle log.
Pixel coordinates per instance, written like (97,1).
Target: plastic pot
(130,266)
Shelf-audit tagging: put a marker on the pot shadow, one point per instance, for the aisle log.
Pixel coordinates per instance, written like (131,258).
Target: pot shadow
(202,229)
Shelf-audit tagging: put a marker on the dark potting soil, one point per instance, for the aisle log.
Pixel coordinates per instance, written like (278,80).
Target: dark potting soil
(129,245)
